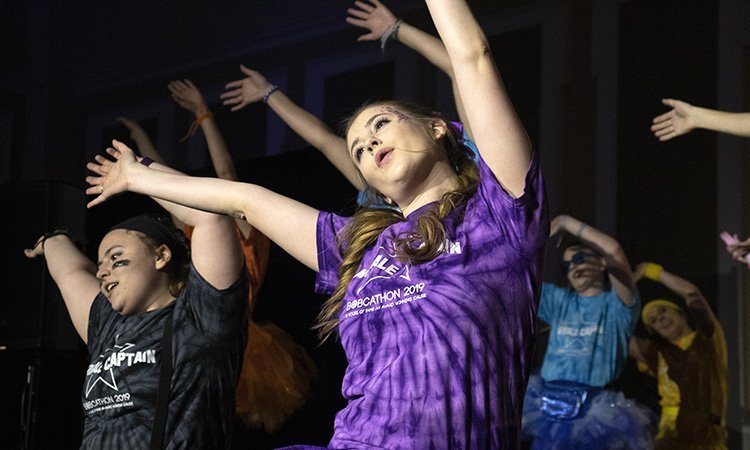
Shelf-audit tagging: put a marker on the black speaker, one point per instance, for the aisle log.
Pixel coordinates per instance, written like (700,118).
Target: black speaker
(32,312)
(40,394)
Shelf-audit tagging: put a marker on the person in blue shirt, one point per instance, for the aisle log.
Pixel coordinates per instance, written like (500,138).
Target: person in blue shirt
(591,321)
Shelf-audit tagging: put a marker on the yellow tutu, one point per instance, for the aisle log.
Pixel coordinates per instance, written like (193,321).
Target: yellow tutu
(276,377)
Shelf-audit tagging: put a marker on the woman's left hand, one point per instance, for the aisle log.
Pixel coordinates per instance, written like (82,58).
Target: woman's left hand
(112,175)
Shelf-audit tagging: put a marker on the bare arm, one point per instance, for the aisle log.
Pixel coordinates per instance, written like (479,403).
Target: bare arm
(313,130)
(684,118)
(496,128)
(696,302)
(291,224)
(620,274)
(317,134)
(74,274)
(377,19)
(145,145)
(190,98)
(215,250)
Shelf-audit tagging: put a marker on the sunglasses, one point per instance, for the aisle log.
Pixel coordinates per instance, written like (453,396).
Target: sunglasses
(578,258)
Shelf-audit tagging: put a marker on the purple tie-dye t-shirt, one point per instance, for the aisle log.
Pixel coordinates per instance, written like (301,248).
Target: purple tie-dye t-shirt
(439,352)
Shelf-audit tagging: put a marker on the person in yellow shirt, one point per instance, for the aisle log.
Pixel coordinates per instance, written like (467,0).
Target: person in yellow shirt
(688,355)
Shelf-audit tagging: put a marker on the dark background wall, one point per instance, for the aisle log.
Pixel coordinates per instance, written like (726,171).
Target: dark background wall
(585,76)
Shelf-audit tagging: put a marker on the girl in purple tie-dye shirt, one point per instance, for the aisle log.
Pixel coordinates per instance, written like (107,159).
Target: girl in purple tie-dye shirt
(435,304)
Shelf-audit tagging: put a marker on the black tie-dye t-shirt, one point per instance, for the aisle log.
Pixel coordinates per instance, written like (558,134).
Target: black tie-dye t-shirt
(122,379)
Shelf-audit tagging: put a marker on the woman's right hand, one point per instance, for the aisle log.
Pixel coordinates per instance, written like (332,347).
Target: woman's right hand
(245,91)
(112,176)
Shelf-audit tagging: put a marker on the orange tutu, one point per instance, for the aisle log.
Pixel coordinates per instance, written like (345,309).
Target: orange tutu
(276,377)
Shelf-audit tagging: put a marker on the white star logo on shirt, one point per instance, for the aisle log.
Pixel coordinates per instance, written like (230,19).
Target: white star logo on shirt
(108,377)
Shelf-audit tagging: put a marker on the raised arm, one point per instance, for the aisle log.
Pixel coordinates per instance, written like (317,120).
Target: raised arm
(696,302)
(185,94)
(291,224)
(255,88)
(620,274)
(74,274)
(190,98)
(142,140)
(496,128)
(380,21)
(684,118)
(215,249)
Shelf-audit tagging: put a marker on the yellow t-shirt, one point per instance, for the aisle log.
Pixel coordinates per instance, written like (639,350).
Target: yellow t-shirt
(711,365)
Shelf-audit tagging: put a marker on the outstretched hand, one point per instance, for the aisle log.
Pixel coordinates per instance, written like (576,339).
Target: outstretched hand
(112,175)
(188,96)
(676,122)
(740,250)
(245,91)
(373,16)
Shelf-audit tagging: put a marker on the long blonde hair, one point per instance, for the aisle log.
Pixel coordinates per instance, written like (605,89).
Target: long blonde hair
(424,242)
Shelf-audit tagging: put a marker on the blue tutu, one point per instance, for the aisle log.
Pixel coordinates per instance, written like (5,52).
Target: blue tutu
(602,420)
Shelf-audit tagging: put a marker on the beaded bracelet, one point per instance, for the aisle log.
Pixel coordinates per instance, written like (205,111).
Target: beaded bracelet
(273,89)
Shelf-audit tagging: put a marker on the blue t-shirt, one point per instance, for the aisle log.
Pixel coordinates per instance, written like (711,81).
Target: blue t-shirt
(588,342)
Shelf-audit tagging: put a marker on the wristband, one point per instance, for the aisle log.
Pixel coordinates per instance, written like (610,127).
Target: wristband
(146,161)
(652,271)
(273,89)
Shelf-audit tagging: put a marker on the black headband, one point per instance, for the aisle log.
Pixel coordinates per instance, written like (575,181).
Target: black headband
(158,232)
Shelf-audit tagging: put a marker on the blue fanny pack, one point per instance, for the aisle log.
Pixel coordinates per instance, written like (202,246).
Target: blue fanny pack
(563,400)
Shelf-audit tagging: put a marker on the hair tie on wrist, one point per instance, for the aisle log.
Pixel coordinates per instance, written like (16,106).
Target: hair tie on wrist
(580,230)
(273,89)
(55,232)
(146,161)
(391,34)
(196,123)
